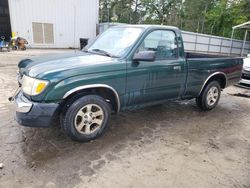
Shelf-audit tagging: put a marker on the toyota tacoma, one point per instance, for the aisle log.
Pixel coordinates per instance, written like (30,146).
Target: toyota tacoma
(126,67)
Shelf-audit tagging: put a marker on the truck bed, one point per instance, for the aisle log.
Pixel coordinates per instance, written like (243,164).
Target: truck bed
(201,66)
(192,55)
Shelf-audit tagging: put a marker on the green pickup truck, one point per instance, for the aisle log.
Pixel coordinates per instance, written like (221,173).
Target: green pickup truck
(126,67)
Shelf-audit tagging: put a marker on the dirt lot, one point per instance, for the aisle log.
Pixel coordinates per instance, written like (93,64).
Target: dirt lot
(173,145)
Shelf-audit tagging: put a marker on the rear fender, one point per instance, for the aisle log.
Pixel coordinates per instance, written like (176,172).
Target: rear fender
(210,77)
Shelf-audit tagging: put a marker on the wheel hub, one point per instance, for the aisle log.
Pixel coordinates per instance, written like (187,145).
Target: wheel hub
(89,119)
(212,96)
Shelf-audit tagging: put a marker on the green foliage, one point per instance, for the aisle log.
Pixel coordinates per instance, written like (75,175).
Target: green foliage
(226,14)
(204,16)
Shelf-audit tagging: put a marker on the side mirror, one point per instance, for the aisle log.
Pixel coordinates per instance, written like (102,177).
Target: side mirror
(144,56)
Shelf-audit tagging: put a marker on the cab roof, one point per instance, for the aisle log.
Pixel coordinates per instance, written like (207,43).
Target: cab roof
(148,26)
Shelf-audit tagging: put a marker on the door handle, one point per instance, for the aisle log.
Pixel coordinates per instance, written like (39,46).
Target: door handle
(177,68)
(135,63)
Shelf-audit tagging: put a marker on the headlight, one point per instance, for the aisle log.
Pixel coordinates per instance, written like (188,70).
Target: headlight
(32,86)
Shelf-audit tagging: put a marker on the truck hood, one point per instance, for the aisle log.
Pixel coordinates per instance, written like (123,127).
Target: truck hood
(62,65)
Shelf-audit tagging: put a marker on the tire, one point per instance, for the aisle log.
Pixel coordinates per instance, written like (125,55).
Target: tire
(209,97)
(86,118)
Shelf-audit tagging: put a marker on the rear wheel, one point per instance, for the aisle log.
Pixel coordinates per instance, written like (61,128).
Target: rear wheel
(86,118)
(209,97)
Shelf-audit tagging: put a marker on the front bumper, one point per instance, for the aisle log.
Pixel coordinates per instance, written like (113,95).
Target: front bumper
(245,81)
(245,78)
(33,114)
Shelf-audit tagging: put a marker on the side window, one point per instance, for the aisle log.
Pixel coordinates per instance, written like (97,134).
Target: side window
(163,42)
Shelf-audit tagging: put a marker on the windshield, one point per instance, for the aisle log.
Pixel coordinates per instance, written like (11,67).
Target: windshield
(115,41)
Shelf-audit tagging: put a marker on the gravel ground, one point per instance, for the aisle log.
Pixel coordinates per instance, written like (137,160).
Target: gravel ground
(172,145)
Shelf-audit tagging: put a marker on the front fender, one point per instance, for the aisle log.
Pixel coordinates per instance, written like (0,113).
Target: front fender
(115,80)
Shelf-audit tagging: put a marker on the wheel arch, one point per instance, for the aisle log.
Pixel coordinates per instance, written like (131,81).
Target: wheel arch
(103,90)
(221,77)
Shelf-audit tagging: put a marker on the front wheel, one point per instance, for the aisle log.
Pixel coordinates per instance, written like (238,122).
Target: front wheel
(86,118)
(209,97)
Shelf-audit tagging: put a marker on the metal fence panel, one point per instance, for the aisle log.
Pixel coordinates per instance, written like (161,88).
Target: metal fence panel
(200,43)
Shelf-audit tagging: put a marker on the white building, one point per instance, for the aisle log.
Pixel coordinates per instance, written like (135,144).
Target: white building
(50,23)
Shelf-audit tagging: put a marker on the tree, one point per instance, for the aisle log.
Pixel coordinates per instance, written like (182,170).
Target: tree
(163,11)
(194,14)
(124,11)
(227,13)
(204,16)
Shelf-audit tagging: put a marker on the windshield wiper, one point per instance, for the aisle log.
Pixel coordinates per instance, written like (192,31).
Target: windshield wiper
(102,52)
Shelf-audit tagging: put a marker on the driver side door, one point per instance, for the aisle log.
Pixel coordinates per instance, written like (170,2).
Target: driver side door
(159,79)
